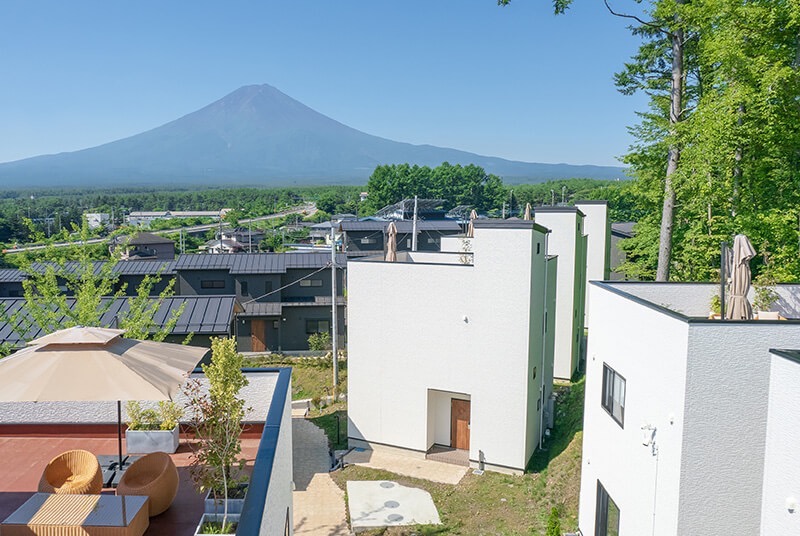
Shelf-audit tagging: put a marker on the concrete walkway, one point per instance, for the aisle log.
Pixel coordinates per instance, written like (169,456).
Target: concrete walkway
(408,465)
(319,507)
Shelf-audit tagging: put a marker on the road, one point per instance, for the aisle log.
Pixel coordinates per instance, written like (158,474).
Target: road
(308,208)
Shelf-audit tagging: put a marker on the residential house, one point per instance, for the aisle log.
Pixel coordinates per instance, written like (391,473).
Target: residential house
(363,238)
(619,231)
(597,228)
(453,350)
(568,241)
(690,424)
(225,245)
(144,246)
(285,297)
(11,283)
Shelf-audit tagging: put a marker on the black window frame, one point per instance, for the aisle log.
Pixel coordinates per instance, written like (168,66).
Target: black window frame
(243,288)
(601,516)
(312,325)
(607,397)
(306,283)
(212,283)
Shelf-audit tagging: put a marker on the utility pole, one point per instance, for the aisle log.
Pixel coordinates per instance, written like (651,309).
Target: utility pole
(334,316)
(504,210)
(563,194)
(414,227)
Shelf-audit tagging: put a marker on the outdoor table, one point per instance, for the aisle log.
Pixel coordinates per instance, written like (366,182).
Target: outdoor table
(67,515)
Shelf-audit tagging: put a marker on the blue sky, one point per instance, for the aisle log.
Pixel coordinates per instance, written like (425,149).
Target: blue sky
(515,82)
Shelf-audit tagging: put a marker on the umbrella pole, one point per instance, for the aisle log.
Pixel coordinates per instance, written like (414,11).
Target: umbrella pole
(119,433)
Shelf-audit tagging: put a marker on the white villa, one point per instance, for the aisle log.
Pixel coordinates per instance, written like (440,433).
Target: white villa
(691,425)
(567,241)
(454,350)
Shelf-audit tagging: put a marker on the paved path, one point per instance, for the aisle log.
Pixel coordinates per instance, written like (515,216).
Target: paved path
(396,462)
(319,507)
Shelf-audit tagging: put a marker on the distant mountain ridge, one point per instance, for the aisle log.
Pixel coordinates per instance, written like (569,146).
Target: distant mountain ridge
(258,135)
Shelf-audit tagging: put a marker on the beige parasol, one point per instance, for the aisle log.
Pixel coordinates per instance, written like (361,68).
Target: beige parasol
(391,243)
(527,212)
(738,306)
(96,364)
(471,227)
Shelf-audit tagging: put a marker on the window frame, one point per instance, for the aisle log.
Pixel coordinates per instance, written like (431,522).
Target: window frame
(601,516)
(609,381)
(306,283)
(208,284)
(316,322)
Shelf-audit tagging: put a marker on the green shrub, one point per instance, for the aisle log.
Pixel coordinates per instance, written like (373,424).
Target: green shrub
(553,523)
(319,341)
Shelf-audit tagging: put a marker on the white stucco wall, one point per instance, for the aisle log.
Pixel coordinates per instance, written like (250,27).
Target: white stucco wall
(781,468)
(258,395)
(564,241)
(727,393)
(279,494)
(597,229)
(450,328)
(648,348)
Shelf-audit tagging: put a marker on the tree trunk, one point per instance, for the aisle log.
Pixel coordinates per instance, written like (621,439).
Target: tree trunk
(675,113)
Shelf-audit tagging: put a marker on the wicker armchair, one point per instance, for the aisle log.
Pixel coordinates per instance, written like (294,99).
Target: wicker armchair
(153,475)
(75,472)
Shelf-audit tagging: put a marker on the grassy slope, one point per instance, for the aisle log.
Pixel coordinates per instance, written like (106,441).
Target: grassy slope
(501,504)
(311,377)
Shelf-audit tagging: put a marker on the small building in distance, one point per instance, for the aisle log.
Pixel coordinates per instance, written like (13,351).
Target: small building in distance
(144,218)
(453,350)
(143,246)
(95,220)
(364,238)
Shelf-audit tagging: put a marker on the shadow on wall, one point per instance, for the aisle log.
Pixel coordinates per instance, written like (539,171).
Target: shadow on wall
(568,422)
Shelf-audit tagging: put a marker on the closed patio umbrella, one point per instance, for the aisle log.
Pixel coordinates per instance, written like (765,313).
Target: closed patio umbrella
(96,364)
(527,212)
(471,227)
(738,306)
(391,243)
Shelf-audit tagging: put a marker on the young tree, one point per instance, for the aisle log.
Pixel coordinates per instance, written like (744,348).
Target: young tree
(79,292)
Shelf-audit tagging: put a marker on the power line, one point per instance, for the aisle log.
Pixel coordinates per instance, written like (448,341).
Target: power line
(328,265)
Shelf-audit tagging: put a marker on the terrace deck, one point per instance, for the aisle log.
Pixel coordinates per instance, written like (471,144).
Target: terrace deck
(24,453)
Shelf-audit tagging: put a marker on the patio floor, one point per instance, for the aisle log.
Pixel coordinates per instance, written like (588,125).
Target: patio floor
(23,458)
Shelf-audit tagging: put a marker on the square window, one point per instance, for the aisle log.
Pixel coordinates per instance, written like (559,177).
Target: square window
(614,394)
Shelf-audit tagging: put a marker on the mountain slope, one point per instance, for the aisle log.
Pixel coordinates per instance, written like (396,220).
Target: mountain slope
(257,134)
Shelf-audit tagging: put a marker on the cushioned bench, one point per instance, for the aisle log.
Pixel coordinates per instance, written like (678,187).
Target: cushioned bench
(78,515)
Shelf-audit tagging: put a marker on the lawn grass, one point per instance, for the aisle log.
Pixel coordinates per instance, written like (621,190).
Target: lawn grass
(495,503)
(311,376)
(327,418)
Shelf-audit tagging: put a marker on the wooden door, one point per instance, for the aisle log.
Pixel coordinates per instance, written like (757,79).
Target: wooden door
(258,335)
(459,423)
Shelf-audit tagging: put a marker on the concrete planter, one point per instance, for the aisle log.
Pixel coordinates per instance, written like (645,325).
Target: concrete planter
(232,518)
(235,505)
(147,441)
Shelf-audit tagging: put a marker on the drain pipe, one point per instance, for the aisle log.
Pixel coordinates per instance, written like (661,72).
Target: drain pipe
(544,344)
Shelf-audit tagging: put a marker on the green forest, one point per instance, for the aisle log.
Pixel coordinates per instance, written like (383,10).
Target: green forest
(716,153)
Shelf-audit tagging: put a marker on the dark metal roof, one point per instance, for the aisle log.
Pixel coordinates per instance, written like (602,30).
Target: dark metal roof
(402,226)
(791,355)
(11,275)
(141,239)
(256,263)
(202,315)
(623,229)
(151,267)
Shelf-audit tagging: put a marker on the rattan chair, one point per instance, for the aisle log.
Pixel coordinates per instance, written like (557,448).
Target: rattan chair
(75,472)
(153,475)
